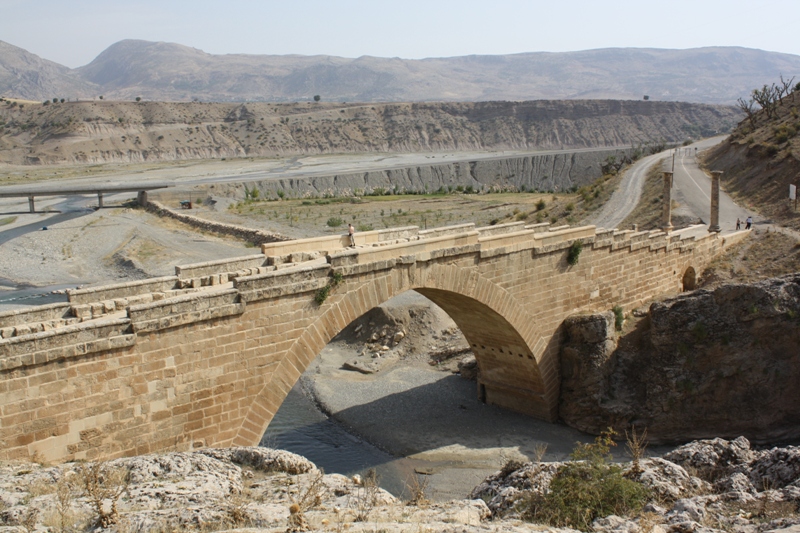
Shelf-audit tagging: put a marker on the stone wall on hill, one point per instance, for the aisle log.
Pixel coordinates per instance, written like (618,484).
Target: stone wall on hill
(255,236)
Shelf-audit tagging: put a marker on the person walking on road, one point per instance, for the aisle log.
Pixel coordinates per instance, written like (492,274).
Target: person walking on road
(351,232)
(748,222)
(738,224)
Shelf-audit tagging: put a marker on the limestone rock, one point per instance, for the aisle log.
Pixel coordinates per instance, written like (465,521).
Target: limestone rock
(704,364)
(468,368)
(713,458)
(615,524)
(668,480)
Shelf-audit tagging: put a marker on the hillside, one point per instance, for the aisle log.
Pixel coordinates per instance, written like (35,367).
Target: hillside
(172,72)
(761,158)
(105,131)
(28,76)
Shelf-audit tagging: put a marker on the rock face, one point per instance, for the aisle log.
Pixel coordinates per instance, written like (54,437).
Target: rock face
(707,363)
(105,131)
(547,172)
(272,491)
(704,486)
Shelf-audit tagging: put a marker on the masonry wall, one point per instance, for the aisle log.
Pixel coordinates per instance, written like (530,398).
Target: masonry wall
(211,367)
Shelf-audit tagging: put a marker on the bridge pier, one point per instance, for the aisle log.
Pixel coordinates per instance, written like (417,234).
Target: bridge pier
(666,217)
(30,204)
(100,199)
(714,225)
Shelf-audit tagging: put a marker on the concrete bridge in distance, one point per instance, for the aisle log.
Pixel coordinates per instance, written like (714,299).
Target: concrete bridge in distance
(206,357)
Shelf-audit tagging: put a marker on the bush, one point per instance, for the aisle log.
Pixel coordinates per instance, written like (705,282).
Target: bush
(574,252)
(619,317)
(334,222)
(588,488)
(540,205)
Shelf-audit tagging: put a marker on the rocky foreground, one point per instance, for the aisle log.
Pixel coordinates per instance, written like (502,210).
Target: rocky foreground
(704,486)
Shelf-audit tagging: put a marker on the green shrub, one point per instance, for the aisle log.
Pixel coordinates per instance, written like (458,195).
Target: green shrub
(619,317)
(334,222)
(322,294)
(574,252)
(540,205)
(588,488)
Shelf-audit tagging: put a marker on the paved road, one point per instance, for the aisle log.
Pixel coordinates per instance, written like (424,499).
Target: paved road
(626,197)
(693,188)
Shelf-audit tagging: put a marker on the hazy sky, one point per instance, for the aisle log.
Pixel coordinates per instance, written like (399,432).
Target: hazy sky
(73,32)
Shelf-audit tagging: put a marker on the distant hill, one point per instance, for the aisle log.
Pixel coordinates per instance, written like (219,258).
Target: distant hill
(29,77)
(109,131)
(173,72)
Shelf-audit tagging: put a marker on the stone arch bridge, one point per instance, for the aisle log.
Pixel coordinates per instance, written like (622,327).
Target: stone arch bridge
(205,357)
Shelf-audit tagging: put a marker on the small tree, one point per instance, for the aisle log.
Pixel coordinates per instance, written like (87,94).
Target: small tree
(748,106)
(101,97)
(55,100)
(317,98)
(646,97)
(138,98)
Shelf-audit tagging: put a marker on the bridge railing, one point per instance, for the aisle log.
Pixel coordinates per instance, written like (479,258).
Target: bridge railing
(421,248)
(219,271)
(280,251)
(43,318)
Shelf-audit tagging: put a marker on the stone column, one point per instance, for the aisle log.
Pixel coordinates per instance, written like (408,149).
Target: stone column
(666,217)
(100,200)
(141,197)
(30,204)
(714,226)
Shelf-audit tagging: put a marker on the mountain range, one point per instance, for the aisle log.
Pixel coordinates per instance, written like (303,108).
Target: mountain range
(172,72)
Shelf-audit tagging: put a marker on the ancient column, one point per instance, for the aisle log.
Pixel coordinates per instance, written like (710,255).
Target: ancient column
(714,226)
(666,217)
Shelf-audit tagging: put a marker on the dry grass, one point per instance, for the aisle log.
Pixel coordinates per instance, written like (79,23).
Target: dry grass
(647,214)
(418,489)
(763,255)
(102,482)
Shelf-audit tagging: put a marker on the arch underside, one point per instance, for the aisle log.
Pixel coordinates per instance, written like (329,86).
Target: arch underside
(509,374)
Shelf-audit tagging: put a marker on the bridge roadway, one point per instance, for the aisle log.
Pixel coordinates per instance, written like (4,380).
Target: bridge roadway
(205,357)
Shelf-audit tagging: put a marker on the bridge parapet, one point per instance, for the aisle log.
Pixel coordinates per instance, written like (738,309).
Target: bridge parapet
(66,342)
(44,318)
(421,248)
(280,252)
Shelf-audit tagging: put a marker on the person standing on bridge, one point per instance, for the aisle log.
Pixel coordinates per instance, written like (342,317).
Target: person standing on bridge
(351,231)
(748,223)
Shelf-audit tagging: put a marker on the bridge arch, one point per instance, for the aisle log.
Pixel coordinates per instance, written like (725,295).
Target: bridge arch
(689,279)
(499,331)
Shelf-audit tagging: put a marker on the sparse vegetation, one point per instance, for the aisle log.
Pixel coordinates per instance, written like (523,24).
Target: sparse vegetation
(103,485)
(619,317)
(587,488)
(574,253)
